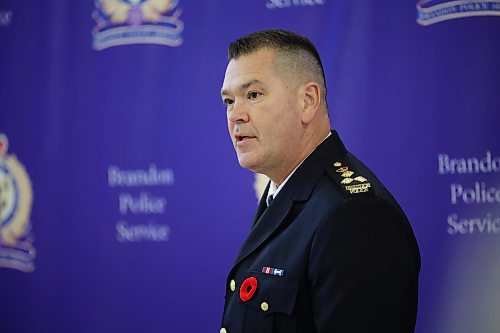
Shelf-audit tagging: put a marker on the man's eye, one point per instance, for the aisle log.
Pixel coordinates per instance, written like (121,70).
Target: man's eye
(254,94)
(228,101)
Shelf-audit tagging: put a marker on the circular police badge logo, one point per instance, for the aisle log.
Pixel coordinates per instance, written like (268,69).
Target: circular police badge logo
(16,196)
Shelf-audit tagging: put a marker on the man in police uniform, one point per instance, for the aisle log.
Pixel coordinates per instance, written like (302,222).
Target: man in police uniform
(330,250)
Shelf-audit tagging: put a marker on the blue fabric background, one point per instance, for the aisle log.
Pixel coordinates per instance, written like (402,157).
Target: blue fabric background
(400,94)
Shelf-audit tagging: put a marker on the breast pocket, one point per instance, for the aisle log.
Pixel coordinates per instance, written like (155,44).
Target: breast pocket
(271,306)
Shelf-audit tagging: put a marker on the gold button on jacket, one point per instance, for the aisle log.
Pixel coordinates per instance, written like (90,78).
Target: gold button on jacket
(264,306)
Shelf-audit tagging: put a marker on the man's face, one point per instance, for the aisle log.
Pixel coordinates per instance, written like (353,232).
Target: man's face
(263,113)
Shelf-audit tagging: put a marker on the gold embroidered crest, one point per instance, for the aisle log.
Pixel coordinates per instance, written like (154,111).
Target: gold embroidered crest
(342,169)
(346,181)
(347,178)
(360,179)
(347,174)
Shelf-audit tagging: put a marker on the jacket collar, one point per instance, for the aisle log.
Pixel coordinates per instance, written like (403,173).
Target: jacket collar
(298,188)
(303,181)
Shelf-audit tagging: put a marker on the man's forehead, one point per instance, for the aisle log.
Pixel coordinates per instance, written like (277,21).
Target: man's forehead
(227,87)
(263,56)
(241,80)
(254,68)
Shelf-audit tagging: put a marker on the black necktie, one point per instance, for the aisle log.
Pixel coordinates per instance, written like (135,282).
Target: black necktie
(269,200)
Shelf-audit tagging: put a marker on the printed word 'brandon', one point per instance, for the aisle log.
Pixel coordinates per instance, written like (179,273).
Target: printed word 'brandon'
(471,165)
(140,177)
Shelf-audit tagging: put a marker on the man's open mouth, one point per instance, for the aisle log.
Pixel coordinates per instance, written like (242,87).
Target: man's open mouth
(240,138)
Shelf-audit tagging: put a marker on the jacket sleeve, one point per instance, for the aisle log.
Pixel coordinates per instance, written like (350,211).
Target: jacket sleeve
(363,269)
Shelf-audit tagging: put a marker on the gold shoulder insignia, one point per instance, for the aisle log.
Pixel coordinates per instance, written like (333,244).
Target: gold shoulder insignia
(346,181)
(358,188)
(360,179)
(348,177)
(342,169)
(347,174)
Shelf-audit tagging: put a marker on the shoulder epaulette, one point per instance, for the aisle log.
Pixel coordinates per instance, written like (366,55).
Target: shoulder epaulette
(351,182)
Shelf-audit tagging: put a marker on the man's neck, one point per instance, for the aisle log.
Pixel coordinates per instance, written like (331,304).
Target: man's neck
(276,186)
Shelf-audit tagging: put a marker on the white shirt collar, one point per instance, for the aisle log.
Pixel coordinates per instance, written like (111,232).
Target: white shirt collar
(274,190)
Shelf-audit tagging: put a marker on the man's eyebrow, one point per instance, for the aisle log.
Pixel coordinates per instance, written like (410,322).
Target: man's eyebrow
(243,86)
(249,83)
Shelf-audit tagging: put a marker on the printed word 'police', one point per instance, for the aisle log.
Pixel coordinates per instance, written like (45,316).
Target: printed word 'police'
(144,204)
(477,194)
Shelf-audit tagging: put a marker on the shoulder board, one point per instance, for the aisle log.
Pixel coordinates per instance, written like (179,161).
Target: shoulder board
(348,179)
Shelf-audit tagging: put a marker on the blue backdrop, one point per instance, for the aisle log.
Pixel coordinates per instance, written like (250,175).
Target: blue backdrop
(122,204)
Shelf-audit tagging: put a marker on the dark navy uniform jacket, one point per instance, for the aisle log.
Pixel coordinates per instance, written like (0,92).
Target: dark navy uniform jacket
(333,253)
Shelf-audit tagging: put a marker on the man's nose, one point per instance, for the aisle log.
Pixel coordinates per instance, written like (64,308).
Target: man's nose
(238,113)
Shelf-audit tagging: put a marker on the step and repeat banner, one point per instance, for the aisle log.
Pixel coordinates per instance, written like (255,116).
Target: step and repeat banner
(122,204)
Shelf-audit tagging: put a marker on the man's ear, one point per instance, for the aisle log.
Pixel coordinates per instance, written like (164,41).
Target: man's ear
(311,101)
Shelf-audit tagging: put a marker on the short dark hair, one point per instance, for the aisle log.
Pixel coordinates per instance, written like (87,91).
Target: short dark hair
(295,46)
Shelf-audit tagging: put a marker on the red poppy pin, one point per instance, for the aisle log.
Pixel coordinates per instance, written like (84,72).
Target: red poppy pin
(248,288)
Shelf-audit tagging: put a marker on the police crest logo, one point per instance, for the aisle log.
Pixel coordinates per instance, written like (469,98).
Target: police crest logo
(434,11)
(124,22)
(16,196)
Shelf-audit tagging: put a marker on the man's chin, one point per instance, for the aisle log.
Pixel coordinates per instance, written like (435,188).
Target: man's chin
(247,163)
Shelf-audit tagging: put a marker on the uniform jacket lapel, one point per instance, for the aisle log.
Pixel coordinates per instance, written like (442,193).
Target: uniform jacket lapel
(298,189)
(265,225)
(262,205)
